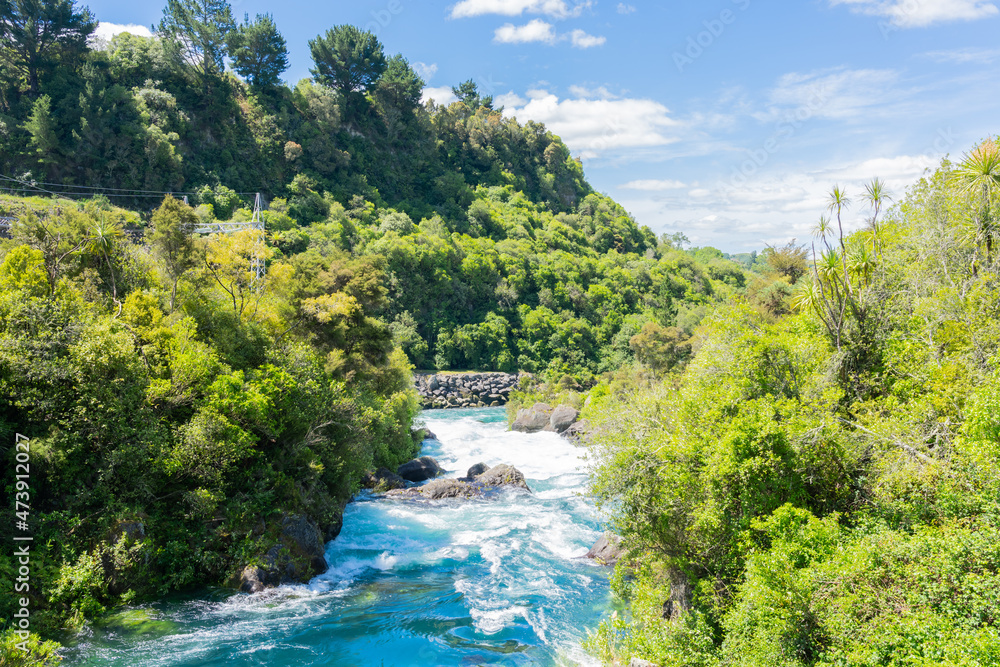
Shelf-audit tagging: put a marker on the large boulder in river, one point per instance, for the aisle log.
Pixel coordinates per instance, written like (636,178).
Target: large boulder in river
(481,486)
(503,475)
(533,419)
(298,556)
(419,470)
(607,550)
(476,470)
(448,488)
(562,418)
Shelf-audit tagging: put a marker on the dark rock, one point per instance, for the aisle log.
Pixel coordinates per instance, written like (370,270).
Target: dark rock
(503,475)
(266,574)
(297,558)
(477,470)
(562,418)
(433,384)
(303,537)
(419,470)
(533,419)
(429,434)
(577,431)
(332,531)
(383,480)
(607,550)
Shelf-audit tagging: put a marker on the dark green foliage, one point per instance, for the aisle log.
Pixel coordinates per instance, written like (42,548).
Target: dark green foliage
(468,94)
(197,31)
(348,59)
(41,35)
(258,51)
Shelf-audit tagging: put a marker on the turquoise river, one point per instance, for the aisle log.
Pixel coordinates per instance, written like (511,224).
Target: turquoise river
(452,582)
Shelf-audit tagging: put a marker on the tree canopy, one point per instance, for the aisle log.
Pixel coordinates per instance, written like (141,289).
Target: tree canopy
(258,50)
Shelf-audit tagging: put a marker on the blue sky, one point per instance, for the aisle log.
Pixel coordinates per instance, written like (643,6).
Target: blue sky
(727,120)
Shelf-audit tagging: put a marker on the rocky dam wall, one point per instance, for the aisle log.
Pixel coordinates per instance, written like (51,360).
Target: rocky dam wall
(466,390)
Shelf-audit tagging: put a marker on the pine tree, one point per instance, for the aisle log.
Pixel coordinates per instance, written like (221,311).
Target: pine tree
(37,34)
(258,50)
(198,30)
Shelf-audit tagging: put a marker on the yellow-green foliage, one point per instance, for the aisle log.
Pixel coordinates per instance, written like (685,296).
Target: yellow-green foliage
(816,505)
(190,427)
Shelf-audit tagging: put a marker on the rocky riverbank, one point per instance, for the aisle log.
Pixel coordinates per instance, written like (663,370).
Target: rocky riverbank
(466,390)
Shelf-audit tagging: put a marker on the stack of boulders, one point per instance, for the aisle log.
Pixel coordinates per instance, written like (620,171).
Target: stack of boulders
(466,390)
(542,417)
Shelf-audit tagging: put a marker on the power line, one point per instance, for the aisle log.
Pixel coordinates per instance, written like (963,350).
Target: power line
(101,188)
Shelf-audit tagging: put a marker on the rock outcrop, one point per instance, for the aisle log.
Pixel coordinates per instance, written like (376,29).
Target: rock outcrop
(483,485)
(533,419)
(476,471)
(578,431)
(383,480)
(503,475)
(542,417)
(298,556)
(466,390)
(419,470)
(607,550)
(562,418)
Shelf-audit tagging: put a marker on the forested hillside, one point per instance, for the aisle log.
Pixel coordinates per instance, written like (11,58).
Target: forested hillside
(822,489)
(498,255)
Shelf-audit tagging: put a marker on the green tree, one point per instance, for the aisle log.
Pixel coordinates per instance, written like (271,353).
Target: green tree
(258,50)
(42,129)
(198,30)
(468,92)
(979,176)
(37,34)
(348,59)
(172,241)
(400,87)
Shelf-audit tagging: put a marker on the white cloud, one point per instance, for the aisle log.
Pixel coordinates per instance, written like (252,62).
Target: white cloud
(652,185)
(543,32)
(922,13)
(425,71)
(963,56)
(558,9)
(624,8)
(510,99)
(837,94)
(593,127)
(583,40)
(105,31)
(536,30)
(441,95)
(592,93)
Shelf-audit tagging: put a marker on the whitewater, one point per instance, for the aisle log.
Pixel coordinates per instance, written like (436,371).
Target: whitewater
(502,581)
